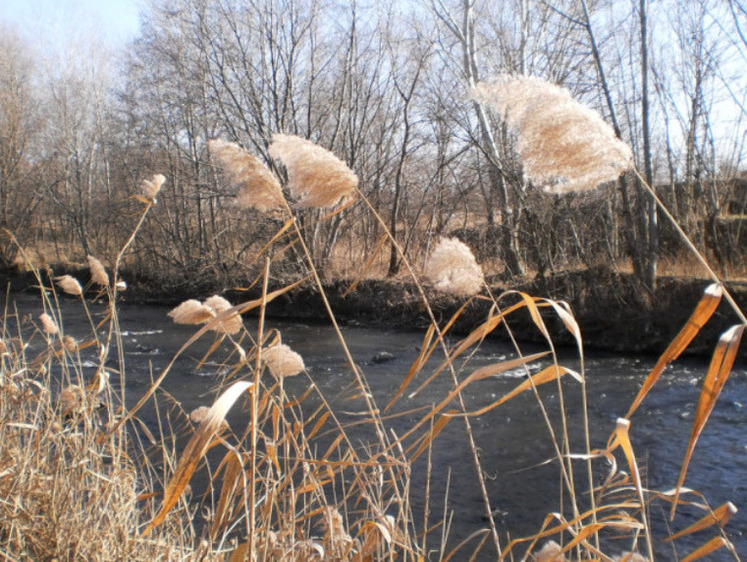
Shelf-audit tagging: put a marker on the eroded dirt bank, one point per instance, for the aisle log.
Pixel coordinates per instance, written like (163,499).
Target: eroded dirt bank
(613,313)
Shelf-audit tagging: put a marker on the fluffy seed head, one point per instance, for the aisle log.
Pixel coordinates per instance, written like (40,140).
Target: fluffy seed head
(258,187)
(98,273)
(452,268)
(191,311)
(316,177)
(551,552)
(630,557)
(70,285)
(564,146)
(232,324)
(282,361)
(72,399)
(199,414)
(150,188)
(70,343)
(48,325)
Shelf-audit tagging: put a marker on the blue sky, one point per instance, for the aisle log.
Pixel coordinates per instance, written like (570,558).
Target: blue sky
(62,21)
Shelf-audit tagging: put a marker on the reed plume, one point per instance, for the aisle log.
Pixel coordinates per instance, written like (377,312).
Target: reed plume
(564,146)
(191,311)
(48,325)
(550,552)
(316,177)
(258,187)
(198,415)
(282,361)
(70,285)
(70,344)
(150,188)
(98,273)
(452,268)
(232,324)
(72,400)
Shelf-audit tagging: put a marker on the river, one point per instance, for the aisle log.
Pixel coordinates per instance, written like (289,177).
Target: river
(513,440)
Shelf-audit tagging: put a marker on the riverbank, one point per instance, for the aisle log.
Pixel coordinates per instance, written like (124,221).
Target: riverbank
(613,312)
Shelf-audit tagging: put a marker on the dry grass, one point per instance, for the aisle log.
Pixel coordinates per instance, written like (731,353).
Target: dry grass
(286,480)
(69,491)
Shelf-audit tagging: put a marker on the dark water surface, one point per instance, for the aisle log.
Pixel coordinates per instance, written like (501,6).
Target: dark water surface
(513,439)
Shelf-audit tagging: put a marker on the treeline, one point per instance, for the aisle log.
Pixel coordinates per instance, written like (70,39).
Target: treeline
(385,86)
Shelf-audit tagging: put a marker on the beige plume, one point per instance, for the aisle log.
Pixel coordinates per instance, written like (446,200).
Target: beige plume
(150,188)
(452,268)
(564,145)
(70,285)
(316,177)
(98,273)
(258,187)
(282,361)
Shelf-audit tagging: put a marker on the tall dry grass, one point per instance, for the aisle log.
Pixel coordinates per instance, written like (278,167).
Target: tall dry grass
(81,477)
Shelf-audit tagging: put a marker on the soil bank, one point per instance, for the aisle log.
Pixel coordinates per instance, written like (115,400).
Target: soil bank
(613,312)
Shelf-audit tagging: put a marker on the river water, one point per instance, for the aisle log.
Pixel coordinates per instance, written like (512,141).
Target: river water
(513,440)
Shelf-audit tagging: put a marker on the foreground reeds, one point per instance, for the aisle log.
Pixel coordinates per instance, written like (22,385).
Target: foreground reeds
(83,477)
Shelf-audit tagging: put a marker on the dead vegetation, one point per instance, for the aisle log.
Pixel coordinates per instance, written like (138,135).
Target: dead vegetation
(79,480)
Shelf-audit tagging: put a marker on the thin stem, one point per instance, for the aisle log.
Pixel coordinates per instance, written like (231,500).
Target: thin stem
(467,424)
(716,279)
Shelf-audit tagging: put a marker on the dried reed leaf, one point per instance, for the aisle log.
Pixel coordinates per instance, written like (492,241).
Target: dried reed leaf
(240,553)
(563,145)
(703,311)
(428,438)
(258,187)
(708,548)
(98,272)
(70,285)
(713,383)
(478,334)
(417,365)
(548,374)
(719,516)
(475,376)
(234,481)
(318,425)
(618,520)
(198,445)
(316,177)
(621,438)
(452,268)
